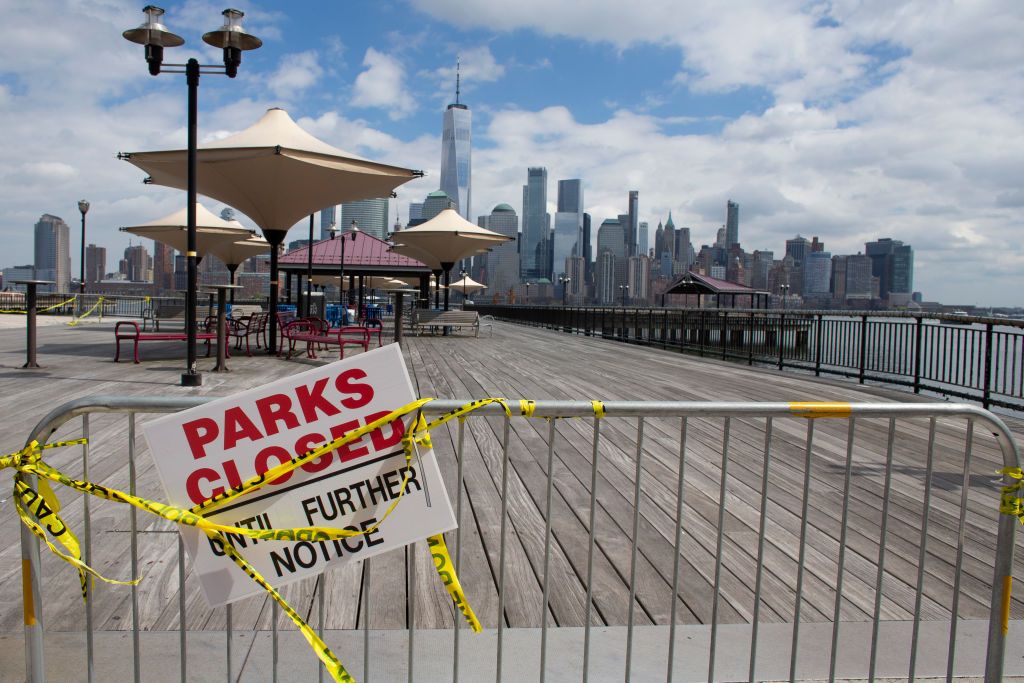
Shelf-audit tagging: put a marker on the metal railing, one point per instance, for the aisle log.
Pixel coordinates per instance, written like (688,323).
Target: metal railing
(653,467)
(974,358)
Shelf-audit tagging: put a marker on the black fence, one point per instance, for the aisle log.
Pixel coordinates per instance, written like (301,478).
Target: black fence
(973,358)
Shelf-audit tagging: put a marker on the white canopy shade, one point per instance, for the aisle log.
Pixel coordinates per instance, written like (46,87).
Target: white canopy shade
(467,285)
(274,172)
(211,230)
(447,238)
(234,253)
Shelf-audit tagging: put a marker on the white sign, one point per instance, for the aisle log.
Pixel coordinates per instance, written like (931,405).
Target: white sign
(205,450)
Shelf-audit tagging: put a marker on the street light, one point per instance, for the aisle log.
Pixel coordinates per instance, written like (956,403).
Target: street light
(784,289)
(527,300)
(336,231)
(83,206)
(625,293)
(564,279)
(233,40)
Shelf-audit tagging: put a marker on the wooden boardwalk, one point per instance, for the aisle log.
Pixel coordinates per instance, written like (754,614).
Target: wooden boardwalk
(523,362)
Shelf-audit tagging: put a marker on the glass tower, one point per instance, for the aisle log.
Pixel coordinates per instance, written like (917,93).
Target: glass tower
(456,153)
(536,226)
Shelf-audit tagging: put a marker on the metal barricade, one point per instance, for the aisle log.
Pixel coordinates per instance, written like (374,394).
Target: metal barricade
(790,513)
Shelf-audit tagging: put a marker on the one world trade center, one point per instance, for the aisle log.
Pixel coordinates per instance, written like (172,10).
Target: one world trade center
(456,143)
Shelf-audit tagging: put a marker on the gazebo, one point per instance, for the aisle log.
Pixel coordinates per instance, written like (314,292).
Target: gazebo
(701,285)
(365,256)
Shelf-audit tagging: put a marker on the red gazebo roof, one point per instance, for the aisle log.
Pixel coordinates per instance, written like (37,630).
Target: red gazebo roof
(695,283)
(365,253)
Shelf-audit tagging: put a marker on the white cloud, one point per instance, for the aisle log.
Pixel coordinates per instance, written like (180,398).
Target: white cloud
(296,73)
(382,85)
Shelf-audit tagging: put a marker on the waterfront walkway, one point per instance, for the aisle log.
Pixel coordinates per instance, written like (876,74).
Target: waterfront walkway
(525,362)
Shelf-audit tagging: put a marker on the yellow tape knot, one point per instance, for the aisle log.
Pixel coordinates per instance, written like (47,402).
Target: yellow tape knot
(527,407)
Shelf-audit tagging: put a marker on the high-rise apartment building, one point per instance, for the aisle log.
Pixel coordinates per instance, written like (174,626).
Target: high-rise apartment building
(502,270)
(371,215)
(535,247)
(95,264)
(642,239)
(456,152)
(53,253)
(732,223)
(588,252)
(415,212)
(638,277)
(163,267)
(576,270)
(761,265)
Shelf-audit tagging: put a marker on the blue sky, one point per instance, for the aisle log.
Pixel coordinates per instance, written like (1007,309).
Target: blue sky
(846,119)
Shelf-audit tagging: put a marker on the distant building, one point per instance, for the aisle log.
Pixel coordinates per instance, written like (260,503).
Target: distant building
(371,215)
(575,268)
(163,267)
(533,252)
(817,275)
(638,277)
(95,263)
(137,266)
(760,267)
(436,202)
(53,253)
(328,218)
(892,262)
(415,212)
(456,153)
(732,223)
(26,272)
(642,241)
(605,287)
(502,269)
(632,224)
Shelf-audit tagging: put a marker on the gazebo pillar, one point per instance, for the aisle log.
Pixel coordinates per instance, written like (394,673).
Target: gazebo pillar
(275,237)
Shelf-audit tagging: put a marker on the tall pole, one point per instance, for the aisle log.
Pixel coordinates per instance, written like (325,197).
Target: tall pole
(309,265)
(191,378)
(83,206)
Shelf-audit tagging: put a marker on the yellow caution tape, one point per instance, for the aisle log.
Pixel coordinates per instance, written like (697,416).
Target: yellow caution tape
(79,319)
(39,511)
(527,407)
(43,310)
(814,410)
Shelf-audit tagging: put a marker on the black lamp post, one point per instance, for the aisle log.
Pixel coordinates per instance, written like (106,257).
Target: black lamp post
(233,40)
(335,230)
(83,206)
(564,280)
(309,266)
(784,289)
(625,293)
(527,301)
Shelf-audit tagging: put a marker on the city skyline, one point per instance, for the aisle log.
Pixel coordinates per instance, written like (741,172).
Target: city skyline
(878,127)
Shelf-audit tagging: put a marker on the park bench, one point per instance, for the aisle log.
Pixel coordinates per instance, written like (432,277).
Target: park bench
(126,330)
(432,320)
(314,332)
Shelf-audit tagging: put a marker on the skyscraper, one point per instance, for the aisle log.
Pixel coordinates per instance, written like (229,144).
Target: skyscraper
(633,224)
(95,263)
(892,262)
(536,226)
(642,244)
(732,223)
(436,202)
(328,217)
(503,260)
(456,152)
(568,235)
(53,253)
(817,274)
(137,266)
(163,266)
(371,215)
